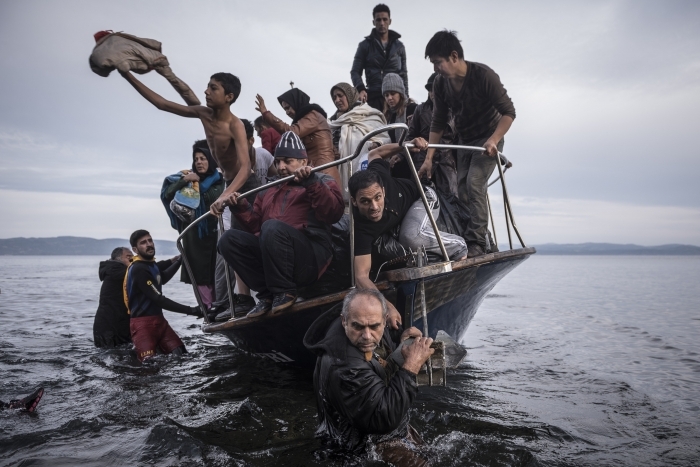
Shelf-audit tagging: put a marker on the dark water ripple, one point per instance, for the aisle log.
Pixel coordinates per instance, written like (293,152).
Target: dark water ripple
(573,361)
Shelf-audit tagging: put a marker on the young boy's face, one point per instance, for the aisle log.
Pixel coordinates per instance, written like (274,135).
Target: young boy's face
(215,96)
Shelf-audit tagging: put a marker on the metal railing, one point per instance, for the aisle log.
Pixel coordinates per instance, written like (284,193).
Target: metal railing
(395,126)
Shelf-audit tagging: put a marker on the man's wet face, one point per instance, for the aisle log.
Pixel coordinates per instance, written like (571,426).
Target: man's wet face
(145,247)
(381,22)
(215,96)
(370,202)
(364,325)
(288,165)
(291,113)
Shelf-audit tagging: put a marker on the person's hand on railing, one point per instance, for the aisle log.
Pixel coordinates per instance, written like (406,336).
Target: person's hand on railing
(218,206)
(260,104)
(419,144)
(491,148)
(301,173)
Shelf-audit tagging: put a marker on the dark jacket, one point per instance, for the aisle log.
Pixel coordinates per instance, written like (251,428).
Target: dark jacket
(311,206)
(377,62)
(356,398)
(111,327)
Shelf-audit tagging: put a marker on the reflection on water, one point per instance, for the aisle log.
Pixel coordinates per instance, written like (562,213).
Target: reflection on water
(572,361)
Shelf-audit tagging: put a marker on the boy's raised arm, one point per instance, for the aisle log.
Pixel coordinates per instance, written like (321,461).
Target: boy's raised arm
(159,101)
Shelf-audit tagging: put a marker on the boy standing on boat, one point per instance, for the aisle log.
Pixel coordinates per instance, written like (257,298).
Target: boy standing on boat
(483,114)
(143,295)
(289,244)
(224,131)
(382,203)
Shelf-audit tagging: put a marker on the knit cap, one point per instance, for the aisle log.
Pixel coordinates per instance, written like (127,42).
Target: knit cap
(393,82)
(349,91)
(290,145)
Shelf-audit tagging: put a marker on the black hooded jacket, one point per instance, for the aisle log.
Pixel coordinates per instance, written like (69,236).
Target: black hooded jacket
(356,398)
(377,62)
(111,327)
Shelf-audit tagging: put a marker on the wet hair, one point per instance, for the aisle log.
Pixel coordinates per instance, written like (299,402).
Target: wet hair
(136,236)
(117,252)
(356,293)
(381,8)
(363,179)
(442,44)
(248,128)
(260,122)
(230,83)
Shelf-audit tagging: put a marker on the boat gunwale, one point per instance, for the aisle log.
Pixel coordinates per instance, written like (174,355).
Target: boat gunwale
(386,282)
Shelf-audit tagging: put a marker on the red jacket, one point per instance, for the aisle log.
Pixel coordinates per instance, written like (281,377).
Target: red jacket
(269,139)
(311,206)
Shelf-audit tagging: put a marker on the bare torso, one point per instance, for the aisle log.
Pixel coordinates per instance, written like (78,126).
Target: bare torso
(220,137)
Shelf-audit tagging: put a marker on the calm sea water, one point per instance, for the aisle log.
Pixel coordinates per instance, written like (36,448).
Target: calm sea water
(572,361)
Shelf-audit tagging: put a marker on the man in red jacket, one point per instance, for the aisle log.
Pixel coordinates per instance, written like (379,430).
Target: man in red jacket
(290,242)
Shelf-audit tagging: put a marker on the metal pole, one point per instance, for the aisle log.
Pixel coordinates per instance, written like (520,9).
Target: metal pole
(428,211)
(226,269)
(493,224)
(197,296)
(509,211)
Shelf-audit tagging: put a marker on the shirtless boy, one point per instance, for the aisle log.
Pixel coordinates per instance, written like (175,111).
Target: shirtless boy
(224,131)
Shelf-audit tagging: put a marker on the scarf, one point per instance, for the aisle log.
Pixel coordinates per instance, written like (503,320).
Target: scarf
(300,102)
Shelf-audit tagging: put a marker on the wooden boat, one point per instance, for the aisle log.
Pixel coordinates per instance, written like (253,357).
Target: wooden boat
(443,296)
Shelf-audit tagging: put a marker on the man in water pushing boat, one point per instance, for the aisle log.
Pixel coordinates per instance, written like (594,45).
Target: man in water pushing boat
(362,393)
(143,295)
(381,203)
(287,243)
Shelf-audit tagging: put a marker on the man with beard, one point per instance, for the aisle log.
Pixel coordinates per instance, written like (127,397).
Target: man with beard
(143,295)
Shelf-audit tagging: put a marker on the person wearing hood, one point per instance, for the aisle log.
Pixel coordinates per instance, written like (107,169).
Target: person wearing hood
(362,394)
(111,326)
(378,54)
(287,242)
(350,123)
(199,243)
(397,109)
(308,122)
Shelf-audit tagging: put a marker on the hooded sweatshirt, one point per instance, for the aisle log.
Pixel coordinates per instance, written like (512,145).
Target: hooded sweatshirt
(356,399)
(111,327)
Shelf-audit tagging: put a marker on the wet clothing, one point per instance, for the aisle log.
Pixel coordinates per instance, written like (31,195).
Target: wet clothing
(151,334)
(309,208)
(269,138)
(376,61)
(400,195)
(477,107)
(357,400)
(111,326)
(143,288)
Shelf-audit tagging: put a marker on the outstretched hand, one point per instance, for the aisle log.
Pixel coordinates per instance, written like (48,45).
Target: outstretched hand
(260,104)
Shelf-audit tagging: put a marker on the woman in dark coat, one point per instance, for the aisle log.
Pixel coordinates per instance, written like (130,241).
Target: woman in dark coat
(199,242)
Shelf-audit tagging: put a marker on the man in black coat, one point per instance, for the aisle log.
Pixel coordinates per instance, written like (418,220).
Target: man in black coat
(378,54)
(362,394)
(111,327)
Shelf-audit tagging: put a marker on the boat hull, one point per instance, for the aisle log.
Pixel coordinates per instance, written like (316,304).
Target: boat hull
(452,299)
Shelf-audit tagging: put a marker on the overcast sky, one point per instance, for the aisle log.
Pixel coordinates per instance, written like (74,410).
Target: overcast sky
(605,143)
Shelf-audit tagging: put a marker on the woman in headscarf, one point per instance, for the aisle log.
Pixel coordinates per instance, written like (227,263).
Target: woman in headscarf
(308,122)
(200,242)
(350,123)
(397,109)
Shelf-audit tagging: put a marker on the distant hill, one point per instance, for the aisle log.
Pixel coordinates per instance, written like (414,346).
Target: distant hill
(615,249)
(94,247)
(74,246)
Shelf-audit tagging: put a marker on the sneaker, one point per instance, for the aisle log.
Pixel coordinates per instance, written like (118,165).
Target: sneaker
(282,301)
(29,403)
(242,304)
(474,250)
(262,307)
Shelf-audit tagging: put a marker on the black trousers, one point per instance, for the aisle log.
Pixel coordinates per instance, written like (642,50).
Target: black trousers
(281,259)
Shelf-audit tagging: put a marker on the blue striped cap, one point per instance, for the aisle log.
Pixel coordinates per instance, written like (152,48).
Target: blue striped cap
(290,145)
